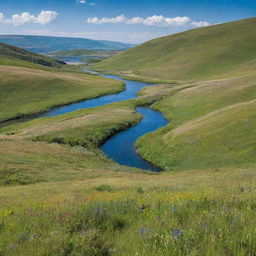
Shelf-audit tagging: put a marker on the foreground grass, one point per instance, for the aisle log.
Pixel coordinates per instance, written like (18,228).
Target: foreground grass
(203,213)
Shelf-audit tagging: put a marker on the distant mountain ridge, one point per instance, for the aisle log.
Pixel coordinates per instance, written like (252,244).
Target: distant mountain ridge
(45,44)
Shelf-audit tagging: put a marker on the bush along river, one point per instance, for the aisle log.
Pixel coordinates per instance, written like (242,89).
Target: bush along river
(121,147)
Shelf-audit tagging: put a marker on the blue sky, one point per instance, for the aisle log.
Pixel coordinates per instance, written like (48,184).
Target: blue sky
(132,21)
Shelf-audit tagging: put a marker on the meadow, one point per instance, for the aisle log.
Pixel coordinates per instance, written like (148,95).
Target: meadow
(205,212)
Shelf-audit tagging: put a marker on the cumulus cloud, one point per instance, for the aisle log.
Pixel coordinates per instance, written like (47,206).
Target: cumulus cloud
(200,24)
(85,2)
(117,19)
(44,18)
(155,20)
(1,17)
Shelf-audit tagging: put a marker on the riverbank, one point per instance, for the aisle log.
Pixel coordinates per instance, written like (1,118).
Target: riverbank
(126,155)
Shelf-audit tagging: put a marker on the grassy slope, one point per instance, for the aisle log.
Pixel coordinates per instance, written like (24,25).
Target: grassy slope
(11,53)
(212,124)
(186,56)
(204,213)
(40,87)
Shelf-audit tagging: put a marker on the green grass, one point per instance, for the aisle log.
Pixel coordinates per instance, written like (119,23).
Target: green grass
(39,83)
(204,213)
(10,53)
(37,91)
(197,54)
(212,125)
(65,147)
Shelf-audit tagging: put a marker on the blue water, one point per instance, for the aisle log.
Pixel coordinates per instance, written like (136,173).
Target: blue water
(72,60)
(130,93)
(121,147)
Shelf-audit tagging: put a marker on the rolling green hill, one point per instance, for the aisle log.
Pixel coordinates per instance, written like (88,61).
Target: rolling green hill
(44,44)
(204,53)
(37,83)
(9,54)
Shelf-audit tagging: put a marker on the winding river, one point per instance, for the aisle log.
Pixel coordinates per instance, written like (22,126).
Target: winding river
(120,147)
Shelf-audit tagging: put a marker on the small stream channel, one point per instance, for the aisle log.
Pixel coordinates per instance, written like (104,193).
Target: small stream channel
(120,147)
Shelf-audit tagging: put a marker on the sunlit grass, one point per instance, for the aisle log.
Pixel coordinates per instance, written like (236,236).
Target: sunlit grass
(207,213)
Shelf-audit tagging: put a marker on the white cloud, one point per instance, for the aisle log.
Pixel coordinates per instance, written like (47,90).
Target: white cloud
(85,2)
(117,19)
(44,18)
(200,24)
(155,20)
(1,17)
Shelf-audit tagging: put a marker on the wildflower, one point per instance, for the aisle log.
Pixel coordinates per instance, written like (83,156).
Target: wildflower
(174,209)
(177,233)
(159,219)
(224,209)
(143,207)
(204,226)
(23,236)
(144,231)
(232,222)
(99,210)
(32,237)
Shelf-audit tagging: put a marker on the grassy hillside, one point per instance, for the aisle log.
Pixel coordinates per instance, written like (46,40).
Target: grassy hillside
(9,54)
(212,125)
(29,79)
(43,44)
(204,53)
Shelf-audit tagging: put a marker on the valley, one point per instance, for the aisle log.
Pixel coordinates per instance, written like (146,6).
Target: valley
(154,155)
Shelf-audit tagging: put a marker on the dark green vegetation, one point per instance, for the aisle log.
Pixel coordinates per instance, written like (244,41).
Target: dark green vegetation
(61,196)
(45,44)
(210,52)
